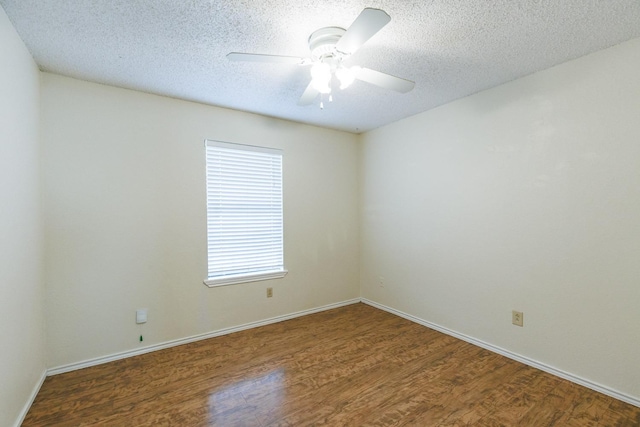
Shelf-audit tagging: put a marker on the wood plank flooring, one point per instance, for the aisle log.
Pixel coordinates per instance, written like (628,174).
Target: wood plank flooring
(352,366)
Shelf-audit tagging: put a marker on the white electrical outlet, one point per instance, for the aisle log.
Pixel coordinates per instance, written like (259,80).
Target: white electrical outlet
(517,318)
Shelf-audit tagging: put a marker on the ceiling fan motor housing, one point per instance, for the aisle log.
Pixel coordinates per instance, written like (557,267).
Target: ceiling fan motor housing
(322,42)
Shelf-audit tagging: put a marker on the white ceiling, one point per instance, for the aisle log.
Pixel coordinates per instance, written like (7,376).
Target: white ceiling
(450,48)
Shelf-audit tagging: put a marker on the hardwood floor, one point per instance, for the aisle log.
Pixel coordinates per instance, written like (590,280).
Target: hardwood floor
(350,366)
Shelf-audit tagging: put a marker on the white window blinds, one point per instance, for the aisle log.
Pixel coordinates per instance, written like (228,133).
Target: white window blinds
(244,213)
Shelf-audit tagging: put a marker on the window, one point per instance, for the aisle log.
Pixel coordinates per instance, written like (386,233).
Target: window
(244,213)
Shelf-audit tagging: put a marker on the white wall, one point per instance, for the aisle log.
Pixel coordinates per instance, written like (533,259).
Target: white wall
(526,197)
(125,229)
(22,361)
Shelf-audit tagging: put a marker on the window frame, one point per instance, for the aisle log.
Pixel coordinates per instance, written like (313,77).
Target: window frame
(246,277)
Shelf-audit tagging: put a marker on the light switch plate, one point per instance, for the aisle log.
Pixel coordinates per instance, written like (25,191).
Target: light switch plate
(141,315)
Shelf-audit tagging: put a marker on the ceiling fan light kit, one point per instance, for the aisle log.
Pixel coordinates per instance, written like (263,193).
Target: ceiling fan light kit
(321,77)
(329,47)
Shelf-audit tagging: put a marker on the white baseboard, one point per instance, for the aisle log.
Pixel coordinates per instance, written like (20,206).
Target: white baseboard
(32,397)
(123,355)
(535,364)
(514,356)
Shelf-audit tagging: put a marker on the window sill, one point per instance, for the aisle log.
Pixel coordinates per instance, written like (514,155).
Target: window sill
(245,278)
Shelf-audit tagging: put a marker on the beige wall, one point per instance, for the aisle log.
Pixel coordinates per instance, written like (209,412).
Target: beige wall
(124,177)
(526,197)
(22,360)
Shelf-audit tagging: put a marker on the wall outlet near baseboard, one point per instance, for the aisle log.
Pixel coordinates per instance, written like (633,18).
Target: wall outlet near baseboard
(269,292)
(517,318)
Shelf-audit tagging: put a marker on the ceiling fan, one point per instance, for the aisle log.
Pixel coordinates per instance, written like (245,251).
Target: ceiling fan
(330,46)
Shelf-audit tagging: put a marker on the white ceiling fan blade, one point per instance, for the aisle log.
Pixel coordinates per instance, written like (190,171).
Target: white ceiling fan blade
(308,96)
(386,81)
(369,22)
(257,57)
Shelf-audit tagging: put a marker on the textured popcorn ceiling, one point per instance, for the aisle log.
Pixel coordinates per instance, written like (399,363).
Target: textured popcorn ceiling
(450,48)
